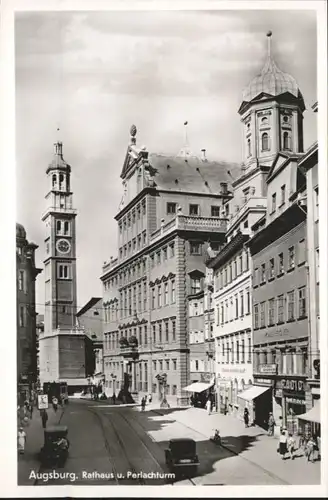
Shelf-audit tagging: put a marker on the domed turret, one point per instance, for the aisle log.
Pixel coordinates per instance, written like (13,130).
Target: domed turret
(20,231)
(271,80)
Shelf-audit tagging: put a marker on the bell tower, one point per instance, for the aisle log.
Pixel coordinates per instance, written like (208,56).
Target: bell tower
(271,114)
(60,247)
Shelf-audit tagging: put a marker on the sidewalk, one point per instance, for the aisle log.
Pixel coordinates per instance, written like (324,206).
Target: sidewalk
(34,442)
(251,443)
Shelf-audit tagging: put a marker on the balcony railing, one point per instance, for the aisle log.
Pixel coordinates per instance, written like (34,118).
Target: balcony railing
(129,351)
(190,223)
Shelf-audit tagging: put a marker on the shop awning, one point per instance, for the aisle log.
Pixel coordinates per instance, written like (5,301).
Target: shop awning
(197,387)
(253,392)
(76,381)
(312,415)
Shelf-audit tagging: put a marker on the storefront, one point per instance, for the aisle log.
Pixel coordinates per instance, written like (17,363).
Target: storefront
(200,392)
(258,399)
(289,402)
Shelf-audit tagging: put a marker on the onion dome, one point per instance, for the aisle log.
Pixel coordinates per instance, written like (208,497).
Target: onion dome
(58,162)
(271,80)
(20,231)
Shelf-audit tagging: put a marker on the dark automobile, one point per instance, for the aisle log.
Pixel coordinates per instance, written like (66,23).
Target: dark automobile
(181,455)
(56,445)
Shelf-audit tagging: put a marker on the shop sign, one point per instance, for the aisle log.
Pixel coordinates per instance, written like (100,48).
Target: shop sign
(233,370)
(270,369)
(263,381)
(291,385)
(295,401)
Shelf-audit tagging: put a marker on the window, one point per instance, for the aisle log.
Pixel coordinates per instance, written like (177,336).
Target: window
(22,316)
(262,273)
(240,270)
(282,194)
(237,351)
(173,330)
(195,285)
(215,211)
(271,313)
(166,331)
(248,301)
(286,141)
(301,302)
(166,294)
(256,316)
(256,276)
(291,258)
(63,271)
(174,390)
(280,264)
(172,250)
(273,202)
(316,204)
(152,261)
(196,365)
(167,363)
(262,314)
(172,291)
(66,228)
(242,351)
(160,365)
(174,362)
(58,226)
(301,252)
(195,248)
(21,280)
(153,297)
(271,268)
(222,313)
(154,334)
(160,332)
(280,309)
(241,303)
(154,365)
(193,209)
(165,253)
(145,336)
(265,142)
(158,257)
(171,208)
(246,260)
(159,296)
(249,152)
(236,307)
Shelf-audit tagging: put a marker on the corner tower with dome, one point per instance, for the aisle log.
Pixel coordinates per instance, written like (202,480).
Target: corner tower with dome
(271,113)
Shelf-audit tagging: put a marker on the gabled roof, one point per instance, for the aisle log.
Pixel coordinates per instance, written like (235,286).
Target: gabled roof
(280,161)
(192,174)
(89,305)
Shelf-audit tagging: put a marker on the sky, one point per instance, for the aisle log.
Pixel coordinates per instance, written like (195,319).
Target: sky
(94,74)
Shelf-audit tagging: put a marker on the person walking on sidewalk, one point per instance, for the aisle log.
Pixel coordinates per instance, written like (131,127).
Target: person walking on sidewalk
(291,444)
(246,417)
(209,406)
(283,443)
(44,418)
(114,398)
(55,403)
(271,424)
(143,403)
(310,450)
(21,440)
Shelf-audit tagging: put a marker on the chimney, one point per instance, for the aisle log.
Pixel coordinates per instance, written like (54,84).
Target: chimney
(224,187)
(203,154)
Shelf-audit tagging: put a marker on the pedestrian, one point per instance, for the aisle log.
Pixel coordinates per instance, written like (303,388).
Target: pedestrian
(310,447)
(271,424)
(246,417)
(225,409)
(143,403)
(31,409)
(150,398)
(282,449)
(291,444)
(208,406)
(21,440)
(319,446)
(114,398)
(44,418)
(26,408)
(55,403)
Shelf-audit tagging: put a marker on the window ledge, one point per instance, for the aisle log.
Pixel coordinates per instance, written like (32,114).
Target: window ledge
(280,323)
(290,269)
(281,205)
(302,317)
(271,279)
(290,320)
(301,263)
(280,274)
(262,283)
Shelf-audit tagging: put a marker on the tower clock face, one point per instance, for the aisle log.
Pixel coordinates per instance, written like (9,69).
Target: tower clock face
(63,246)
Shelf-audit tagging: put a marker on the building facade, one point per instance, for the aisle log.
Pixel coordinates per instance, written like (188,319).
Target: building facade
(64,348)
(26,274)
(171,208)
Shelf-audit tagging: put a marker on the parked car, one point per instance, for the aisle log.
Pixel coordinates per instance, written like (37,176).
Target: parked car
(181,456)
(55,449)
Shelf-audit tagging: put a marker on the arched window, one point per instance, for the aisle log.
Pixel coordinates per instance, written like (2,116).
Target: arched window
(58,226)
(61,181)
(286,141)
(66,227)
(54,180)
(249,147)
(265,142)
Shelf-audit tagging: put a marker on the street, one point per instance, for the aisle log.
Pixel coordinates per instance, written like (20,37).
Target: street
(120,445)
